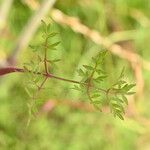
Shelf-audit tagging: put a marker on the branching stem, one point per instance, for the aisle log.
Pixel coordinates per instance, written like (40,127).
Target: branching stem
(89,84)
(4,71)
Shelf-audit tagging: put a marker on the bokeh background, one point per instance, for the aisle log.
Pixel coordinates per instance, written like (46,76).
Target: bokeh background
(66,120)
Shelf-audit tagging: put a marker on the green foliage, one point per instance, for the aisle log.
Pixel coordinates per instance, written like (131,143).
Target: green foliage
(118,98)
(92,77)
(34,71)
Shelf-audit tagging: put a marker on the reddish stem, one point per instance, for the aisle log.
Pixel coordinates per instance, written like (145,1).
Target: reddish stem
(4,71)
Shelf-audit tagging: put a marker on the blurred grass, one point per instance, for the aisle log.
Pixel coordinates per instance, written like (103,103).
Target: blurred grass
(65,128)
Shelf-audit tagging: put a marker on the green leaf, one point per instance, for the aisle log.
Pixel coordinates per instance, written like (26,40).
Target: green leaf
(88,67)
(130,93)
(100,57)
(99,71)
(39,58)
(130,86)
(122,73)
(84,79)
(48,27)
(119,100)
(124,99)
(44,23)
(120,116)
(52,34)
(100,78)
(35,48)
(76,88)
(81,72)
(118,106)
(52,46)
(127,87)
(45,26)
(56,60)
(103,53)
(28,92)
(120,83)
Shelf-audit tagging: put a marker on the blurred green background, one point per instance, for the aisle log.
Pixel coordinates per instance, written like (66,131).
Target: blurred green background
(64,127)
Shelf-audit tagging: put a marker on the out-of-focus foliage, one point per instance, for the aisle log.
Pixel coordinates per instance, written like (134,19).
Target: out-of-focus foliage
(64,127)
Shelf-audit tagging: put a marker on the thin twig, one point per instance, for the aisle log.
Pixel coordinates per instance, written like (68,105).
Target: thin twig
(89,84)
(45,56)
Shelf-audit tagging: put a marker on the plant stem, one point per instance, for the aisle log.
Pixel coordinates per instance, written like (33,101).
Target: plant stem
(62,79)
(45,57)
(4,71)
(89,83)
